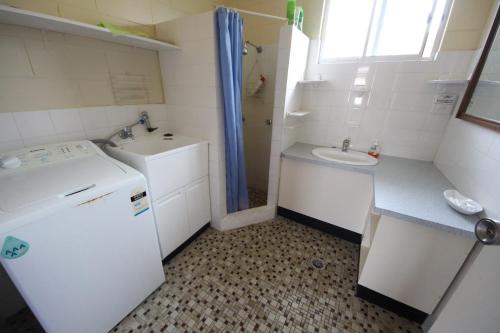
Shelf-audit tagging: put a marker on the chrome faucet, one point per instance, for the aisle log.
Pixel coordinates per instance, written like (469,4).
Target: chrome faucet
(126,132)
(346,144)
(144,119)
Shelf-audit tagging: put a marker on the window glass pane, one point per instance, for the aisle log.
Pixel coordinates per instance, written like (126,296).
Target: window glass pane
(435,26)
(346,28)
(399,27)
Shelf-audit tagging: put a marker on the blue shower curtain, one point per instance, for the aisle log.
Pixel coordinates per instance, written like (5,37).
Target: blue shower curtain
(230,40)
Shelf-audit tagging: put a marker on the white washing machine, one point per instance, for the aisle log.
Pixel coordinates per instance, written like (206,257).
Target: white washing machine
(77,235)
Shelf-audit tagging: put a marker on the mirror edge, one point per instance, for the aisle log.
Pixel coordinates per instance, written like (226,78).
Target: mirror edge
(471,86)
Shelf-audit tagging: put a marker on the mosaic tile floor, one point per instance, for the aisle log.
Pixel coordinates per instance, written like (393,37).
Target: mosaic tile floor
(256,197)
(261,279)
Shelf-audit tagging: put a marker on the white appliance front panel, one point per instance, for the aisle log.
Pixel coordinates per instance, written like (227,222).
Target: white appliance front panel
(88,265)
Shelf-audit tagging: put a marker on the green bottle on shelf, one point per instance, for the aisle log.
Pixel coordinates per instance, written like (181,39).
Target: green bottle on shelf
(299,17)
(290,11)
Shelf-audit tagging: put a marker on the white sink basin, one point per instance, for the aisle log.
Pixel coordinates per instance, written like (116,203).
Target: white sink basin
(151,146)
(168,164)
(349,157)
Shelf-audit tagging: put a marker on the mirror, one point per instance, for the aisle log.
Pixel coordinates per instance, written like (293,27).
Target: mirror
(481,102)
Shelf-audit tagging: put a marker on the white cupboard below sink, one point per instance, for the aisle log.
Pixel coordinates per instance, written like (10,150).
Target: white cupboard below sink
(198,204)
(335,196)
(172,221)
(177,173)
(181,214)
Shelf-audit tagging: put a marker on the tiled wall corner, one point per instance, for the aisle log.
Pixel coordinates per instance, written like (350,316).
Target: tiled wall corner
(193,94)
(469,157)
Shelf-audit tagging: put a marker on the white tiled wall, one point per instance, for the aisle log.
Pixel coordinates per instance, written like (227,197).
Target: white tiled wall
(193,95)
(297,63)
(43,70)
(29,128)
(396,107)
(469,157)
(291,66)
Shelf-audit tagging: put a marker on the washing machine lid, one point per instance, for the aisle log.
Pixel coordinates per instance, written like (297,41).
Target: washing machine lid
(58,178)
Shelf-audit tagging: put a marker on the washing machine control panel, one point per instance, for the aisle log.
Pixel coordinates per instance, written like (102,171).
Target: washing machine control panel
(47,154)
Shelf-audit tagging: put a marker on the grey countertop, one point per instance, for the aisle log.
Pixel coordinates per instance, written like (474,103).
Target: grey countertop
(410,190)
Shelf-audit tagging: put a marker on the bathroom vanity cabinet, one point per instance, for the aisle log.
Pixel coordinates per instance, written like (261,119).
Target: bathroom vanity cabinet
(335,196)
(408,262)
(412,243)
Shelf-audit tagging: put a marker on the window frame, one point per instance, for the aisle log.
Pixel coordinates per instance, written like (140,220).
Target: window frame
(387,58)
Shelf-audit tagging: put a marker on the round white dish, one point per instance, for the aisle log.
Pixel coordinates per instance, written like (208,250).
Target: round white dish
(461,203)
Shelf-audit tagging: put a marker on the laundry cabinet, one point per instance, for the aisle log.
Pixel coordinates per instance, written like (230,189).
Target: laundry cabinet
(177,175)
(172,221)
(184,206)
(181,214)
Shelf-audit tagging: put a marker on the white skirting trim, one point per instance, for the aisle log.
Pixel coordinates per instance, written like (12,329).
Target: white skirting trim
(245,218)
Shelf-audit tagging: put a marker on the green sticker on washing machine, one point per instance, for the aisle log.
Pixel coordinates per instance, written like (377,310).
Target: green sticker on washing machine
(14,248)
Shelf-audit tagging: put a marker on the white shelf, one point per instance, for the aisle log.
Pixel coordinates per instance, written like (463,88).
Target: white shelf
(298,113)
(463,82)
(449,82)
(311,81)
(360,89)
(489,83)
(15,16)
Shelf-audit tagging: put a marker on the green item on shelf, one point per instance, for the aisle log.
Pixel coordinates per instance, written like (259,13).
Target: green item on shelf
(299,17)
(290,11)
(117,31)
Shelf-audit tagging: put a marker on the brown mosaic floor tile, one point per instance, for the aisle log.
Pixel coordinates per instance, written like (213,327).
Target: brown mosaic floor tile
(261,279)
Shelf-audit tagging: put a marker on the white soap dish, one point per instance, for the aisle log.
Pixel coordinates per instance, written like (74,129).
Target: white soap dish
(461,203)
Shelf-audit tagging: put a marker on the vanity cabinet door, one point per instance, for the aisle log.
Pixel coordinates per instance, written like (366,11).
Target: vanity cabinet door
(331,195)
(171,221)
(198,204)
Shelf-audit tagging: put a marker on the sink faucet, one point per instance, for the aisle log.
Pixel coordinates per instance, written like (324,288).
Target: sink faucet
(127,132)
(345,144)
(144,119)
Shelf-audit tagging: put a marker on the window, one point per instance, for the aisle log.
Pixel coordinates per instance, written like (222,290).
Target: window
(382,29)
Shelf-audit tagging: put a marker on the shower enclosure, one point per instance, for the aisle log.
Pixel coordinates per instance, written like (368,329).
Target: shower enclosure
(261,33)
(259,68)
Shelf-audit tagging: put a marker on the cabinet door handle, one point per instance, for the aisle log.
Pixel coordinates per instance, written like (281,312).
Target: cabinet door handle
(169,198)
(488,231)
